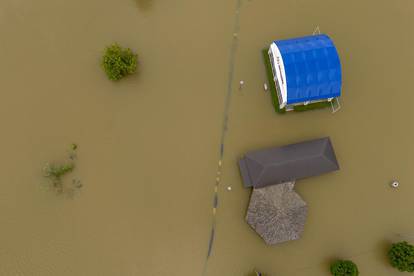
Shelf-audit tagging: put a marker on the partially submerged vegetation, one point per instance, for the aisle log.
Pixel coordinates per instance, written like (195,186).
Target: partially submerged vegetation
(55,173)
(119,62)
(401,256)
(344,268)
(273,93)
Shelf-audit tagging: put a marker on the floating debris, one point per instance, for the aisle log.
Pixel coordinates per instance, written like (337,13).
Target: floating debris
(241,83)
(395,184)
(317,31)
(258,273)
(265,87)
(229,188)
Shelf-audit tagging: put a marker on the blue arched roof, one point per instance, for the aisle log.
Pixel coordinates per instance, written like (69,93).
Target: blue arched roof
(312,67)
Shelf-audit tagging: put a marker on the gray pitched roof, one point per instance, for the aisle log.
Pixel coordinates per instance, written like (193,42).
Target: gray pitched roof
(288,163)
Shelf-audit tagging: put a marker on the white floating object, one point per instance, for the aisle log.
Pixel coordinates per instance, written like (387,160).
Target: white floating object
(241,84)
(395,184)
(317,31)
(265,87)
(228,188)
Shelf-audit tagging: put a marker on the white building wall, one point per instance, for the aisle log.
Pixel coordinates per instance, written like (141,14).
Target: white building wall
(279,72)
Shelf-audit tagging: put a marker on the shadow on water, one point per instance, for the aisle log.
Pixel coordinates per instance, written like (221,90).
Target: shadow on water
(144,5)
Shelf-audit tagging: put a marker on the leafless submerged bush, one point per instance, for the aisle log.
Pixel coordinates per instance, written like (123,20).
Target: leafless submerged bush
(55,174)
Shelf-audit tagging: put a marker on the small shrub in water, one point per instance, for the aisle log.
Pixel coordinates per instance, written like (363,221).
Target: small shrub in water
(401,256)
(119,62)
(344,268)
(55,172)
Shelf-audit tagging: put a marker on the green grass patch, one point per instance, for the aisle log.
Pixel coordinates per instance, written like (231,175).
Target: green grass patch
(273,93)
(311,106)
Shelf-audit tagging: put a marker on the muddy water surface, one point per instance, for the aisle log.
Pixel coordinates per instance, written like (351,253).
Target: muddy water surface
(149,145)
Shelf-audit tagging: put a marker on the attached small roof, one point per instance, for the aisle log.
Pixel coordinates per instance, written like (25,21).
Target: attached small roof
(277,213)
(288,163)
(312,68)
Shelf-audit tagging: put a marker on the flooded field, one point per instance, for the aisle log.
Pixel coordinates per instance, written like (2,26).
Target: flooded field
(149,144)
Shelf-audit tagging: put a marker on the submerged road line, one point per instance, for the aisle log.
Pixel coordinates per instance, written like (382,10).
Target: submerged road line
(233,50)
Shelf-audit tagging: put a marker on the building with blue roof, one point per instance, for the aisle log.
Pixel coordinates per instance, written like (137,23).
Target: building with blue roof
(305,70)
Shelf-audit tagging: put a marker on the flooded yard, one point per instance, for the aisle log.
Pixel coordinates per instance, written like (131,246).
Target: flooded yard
(148,145)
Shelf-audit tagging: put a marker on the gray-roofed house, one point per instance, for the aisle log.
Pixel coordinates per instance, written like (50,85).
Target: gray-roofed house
(288,163)
(276,212)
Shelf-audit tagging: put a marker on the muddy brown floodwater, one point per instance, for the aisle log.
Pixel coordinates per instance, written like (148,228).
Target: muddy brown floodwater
(149,144)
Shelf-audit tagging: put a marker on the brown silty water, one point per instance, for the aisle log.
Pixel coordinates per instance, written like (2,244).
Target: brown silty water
(149,144)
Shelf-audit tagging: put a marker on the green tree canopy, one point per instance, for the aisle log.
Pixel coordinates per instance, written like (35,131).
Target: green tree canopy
(401,256)
(119,62)
(344,268)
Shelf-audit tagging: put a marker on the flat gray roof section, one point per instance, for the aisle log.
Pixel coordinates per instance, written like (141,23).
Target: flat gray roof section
(288,163)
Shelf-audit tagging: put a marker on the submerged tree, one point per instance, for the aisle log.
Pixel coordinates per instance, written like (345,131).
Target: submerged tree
(119,62)
(344,268)
(55,172)
(401,256)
